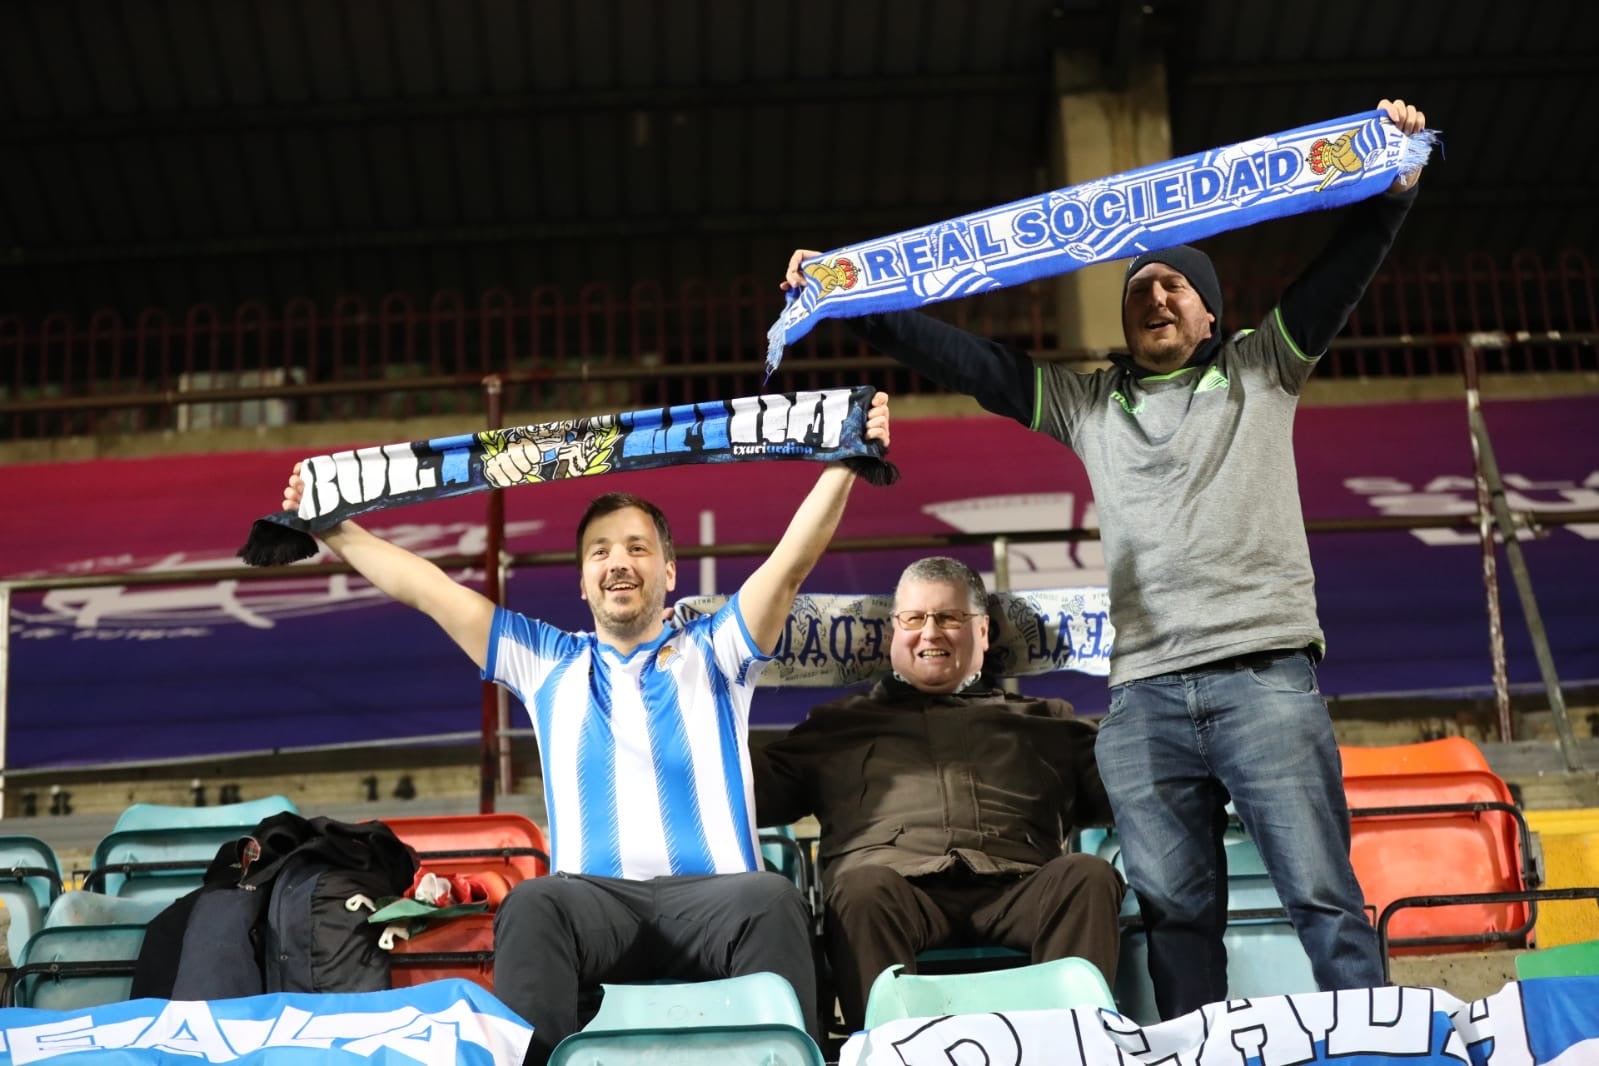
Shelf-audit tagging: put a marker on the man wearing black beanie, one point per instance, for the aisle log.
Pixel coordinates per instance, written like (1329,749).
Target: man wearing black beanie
(1188,444)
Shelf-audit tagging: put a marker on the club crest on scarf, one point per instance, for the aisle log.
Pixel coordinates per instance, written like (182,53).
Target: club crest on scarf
(840,273)
(552,451)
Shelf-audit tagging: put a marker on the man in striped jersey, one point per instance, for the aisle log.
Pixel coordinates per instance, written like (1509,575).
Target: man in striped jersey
(643,737)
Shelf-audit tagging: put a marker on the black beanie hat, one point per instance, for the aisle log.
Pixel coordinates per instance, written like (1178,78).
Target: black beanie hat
(1192,264)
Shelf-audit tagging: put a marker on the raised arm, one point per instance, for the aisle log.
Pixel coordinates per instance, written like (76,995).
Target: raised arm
(1001,378)
(1316,306)
(403,575)
(768,594)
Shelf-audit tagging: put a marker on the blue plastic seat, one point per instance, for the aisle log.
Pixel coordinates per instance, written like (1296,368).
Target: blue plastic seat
(1058,985)
(754,1019)
(30,880)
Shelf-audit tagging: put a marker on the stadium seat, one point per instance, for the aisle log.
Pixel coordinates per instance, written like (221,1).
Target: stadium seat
(80,908)
(247,813)
(1568,960)
(1441,832)
(84,955)
(783,853)
(1427,757)
(70,967)
(510,845)
(1264,955)
(462,947)
(755,1019)
(157,863)
(30,880)
(1058,985)
(161,852)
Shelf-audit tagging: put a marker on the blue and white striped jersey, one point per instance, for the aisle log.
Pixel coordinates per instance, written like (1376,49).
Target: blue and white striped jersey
(645,757)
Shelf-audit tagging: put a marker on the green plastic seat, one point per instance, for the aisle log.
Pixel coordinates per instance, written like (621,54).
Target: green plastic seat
(1058,985)
(247,813)
(754,1019)
(1567,960)
(30,880)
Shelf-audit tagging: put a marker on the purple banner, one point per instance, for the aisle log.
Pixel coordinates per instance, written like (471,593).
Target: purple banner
(132,673)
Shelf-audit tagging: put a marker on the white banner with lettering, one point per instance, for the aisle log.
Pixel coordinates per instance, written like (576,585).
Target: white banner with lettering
(1540,1022)
(833,640)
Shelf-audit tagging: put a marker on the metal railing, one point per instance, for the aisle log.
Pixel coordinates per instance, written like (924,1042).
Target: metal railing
(601,348)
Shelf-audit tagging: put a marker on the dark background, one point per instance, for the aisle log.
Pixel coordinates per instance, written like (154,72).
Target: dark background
(173,152)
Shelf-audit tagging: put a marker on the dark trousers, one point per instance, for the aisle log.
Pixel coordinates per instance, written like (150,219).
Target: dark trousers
(877,918)
(556,939)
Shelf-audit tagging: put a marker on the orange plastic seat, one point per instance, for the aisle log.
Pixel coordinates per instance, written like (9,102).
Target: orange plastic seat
(461,947)
(483,849)
(447,844)
(1427,757)
(1418,852)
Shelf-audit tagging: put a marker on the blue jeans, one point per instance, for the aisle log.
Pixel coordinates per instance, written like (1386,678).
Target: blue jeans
(1172,749)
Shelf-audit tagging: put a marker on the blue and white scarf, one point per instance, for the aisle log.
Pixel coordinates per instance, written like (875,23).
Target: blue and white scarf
(1308,169)
(822,425)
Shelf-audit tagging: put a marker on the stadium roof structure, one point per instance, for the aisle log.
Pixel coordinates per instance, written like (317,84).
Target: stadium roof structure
(188,151)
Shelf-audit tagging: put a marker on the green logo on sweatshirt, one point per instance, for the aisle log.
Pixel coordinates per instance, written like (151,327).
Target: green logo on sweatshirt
(1129,408)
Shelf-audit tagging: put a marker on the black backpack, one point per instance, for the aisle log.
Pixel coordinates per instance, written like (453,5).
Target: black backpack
(282,910)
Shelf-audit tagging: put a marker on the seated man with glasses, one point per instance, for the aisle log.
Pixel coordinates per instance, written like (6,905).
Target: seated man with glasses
(943,802)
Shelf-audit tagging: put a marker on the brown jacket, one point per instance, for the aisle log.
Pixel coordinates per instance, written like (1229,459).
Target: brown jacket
(918,781)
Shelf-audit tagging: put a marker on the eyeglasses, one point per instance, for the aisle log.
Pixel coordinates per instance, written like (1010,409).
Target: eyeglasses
(914,620)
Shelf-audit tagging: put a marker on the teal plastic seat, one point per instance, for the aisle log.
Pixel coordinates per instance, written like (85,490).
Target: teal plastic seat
(781,853)
(1058,985)
(161,852)
(247,813)
(79,908)
(1264,954)
(157,863)
(969,959)
(754,1019)
(30,880)
(70,967)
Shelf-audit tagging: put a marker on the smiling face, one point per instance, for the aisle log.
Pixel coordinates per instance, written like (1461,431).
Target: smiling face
(1163,318)
(930,658)
(625,576)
